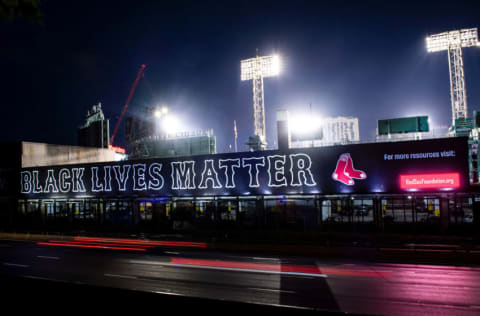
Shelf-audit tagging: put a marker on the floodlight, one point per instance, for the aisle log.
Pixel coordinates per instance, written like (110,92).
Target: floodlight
(446,40)
(159,112)
(170,124)
(453,42)
(306,124)
(256,69)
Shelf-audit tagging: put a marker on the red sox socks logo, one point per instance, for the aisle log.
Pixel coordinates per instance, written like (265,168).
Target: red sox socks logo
(344,172)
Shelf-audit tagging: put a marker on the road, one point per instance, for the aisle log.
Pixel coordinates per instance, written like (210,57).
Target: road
(304,282)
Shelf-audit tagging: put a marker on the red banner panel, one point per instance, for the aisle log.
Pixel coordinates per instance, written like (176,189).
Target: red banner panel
(430,181)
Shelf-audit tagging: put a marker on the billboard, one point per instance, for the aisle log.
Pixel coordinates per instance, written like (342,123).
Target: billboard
(395,167)
(415,124)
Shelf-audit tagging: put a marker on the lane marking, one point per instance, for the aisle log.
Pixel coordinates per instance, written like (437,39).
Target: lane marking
(15,265)
(246,270)
(157,263)
(121,276)
(172,252)
(228,268)
(270,290)
(47,257)
(180,265)
(41,278)
(168,293)
(260,258)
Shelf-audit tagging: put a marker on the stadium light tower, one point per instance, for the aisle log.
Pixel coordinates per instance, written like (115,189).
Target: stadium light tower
(256,69)
(453,42)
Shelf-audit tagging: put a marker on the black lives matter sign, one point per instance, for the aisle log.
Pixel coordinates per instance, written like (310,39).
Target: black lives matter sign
(361,168)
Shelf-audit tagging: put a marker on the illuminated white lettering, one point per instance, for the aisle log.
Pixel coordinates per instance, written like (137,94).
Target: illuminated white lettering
(229,165)
(276,171)
(37,188)
(300,170)
(209,173)
(63,179)
(183,175)
(156,181)
(77,179)
(26,181)
(253,172)
(108,178)
(96,187)
(51,182)
(121,176)
(139,183)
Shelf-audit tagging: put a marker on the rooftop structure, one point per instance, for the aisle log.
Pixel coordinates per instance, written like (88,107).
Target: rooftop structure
(96,131)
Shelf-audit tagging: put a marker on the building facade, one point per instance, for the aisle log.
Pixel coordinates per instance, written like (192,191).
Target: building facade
(96,130)
(379,186)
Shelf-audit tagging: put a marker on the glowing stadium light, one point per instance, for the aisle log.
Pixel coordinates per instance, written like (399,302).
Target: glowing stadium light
(159,112)
(453,42)
(170,124)
(305,124)
(446,40)
(256,69)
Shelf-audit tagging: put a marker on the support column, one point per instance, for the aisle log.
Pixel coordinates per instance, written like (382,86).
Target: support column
(476,211)
(444,213)
(378,213)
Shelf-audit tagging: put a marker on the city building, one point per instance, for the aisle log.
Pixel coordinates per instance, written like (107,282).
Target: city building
(339,130)
(18,155)
(96,131)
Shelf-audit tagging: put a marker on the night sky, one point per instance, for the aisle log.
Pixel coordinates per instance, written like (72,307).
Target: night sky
(347,59)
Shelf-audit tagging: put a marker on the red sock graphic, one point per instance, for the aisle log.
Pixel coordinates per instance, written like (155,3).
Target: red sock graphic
(352,172)
(339,173)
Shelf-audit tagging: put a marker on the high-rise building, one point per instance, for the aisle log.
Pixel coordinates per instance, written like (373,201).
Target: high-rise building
(340,130)
(96,131)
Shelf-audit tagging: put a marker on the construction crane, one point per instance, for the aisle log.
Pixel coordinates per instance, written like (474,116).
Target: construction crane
(130,95)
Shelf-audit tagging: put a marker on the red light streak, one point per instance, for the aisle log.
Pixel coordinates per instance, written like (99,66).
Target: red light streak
(430,181)
(143,242)
(97,243)
(89,246)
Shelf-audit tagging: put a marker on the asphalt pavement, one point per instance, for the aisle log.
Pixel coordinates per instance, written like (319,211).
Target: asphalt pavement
(192,271)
